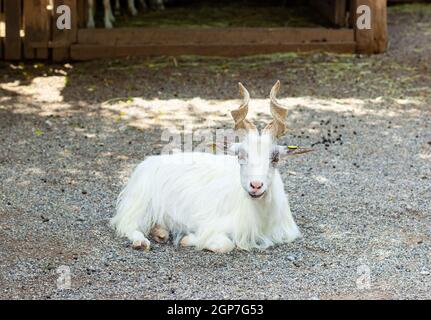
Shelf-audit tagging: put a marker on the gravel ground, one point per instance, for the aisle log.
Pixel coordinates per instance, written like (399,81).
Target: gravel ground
(362,199)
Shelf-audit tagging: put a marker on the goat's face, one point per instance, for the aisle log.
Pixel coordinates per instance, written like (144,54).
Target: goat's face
(258,157)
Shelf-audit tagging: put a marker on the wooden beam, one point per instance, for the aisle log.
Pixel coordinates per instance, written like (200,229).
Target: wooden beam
(66,37)
(374,40)
(114,43)
(12,41)
(90,52)
(183,36)
(37,22)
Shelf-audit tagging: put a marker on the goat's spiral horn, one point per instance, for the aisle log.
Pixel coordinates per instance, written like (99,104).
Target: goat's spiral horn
(239,115)
(277,126)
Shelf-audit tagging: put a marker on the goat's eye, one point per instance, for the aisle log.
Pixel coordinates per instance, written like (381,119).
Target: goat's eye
(242,157)
(275,157)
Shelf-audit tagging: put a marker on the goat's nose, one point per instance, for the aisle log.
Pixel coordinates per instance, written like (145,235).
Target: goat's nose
(256,184)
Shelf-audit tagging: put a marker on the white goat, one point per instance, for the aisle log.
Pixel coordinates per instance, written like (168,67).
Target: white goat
(212,204)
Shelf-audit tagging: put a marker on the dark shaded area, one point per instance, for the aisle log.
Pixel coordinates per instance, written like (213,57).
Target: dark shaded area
(245,13)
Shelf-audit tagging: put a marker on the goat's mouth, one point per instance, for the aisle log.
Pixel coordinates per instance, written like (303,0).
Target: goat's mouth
(256,196)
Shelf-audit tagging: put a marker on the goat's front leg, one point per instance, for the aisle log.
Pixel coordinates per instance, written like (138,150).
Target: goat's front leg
(218,243)
(91,11)
(109,17)
(132,8)
(189,240)
(139,241)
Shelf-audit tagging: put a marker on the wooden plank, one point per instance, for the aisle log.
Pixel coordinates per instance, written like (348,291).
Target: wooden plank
(333,10)
(172,36)
(90,52)
(12,41)
(37,21)
(114,43)
(374,40)
(66,37)
(81,7)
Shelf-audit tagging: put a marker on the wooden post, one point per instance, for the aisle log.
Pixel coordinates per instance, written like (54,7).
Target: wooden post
(12,41)
(63,39)
(374,40)
(37,21)
(82,13)
(2,29)
(380,26)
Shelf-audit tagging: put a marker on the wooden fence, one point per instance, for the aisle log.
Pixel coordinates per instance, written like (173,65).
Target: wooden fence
(28,31)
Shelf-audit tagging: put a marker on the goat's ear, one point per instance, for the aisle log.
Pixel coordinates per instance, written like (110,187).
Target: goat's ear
(234,148)
(293,150)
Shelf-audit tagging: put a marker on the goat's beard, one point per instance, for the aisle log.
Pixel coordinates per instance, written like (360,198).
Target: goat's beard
(259,196)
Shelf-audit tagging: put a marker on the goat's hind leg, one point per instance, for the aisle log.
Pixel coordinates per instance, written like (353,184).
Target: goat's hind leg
(91,11)
(160,234)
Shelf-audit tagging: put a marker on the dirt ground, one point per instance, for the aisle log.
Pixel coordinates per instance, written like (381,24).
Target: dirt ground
(71,134)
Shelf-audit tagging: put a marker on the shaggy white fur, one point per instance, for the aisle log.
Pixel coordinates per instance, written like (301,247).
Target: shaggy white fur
(208,201)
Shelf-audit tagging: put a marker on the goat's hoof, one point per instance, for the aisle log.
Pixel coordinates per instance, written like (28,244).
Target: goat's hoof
(141,245)
(159,234)
(185,241)
(221,249)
